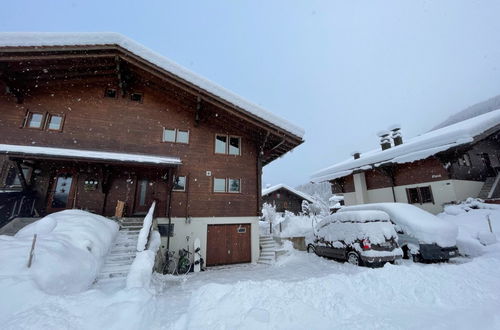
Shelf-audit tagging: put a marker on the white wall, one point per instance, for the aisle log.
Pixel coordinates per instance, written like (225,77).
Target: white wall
(360,187)
(465,188)
(444,192)
(198,229)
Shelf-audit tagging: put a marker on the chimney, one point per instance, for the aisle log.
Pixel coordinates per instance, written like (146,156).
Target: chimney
(356,154)
(385,140)
(396,134)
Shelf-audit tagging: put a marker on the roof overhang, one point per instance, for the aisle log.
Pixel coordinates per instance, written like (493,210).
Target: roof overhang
(92,156)
(29,47)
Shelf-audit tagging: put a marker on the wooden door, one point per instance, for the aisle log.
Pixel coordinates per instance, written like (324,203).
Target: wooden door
(228,244)
(144,195)
(61,194)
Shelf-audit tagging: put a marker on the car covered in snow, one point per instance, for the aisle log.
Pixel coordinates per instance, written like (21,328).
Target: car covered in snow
(422,235)
(363,238)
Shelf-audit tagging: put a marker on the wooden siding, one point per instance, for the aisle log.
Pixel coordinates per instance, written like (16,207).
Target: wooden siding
(282,196)
(118,124)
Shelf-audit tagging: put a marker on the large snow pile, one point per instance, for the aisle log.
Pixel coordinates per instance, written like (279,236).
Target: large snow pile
(351,226)
(69,251)
(414,221)
(471,217)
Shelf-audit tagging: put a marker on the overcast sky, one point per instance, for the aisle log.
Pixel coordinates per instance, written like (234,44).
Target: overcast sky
(342,70)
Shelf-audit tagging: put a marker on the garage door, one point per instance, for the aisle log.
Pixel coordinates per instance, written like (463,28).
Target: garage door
(228,244)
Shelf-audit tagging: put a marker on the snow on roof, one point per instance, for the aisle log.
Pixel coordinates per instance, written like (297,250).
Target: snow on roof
(269,190)
(420,147)
(88,154)
(29,39)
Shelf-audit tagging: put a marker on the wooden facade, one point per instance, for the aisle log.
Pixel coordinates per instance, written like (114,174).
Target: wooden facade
(284,200)
(111,100)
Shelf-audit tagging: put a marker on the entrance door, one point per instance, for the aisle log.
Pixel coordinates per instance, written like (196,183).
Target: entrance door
(62,193)
(144,195)
(228,244)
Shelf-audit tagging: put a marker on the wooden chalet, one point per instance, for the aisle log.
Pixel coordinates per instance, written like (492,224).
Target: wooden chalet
(94,121)
(443,166)
(285,198)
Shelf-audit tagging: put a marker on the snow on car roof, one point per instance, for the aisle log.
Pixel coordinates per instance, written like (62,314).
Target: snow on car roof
(88,154)
(355,216)
(269,190)
(417,148)
(39,39)
(414,221)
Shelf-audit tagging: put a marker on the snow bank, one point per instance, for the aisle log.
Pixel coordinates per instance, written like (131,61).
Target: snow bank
(69,251)
(471,217)
(427,228)
(351,226)
(146,228)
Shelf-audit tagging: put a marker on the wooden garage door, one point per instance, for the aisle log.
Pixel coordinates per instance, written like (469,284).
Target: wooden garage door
(228,244)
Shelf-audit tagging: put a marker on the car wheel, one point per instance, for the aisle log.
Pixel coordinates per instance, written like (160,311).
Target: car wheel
(353,258)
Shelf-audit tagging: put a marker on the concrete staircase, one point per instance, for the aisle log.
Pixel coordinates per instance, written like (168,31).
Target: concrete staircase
(122,254)
(267,250)
(489,187)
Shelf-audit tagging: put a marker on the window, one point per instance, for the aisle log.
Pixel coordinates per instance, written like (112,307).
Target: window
(219,185)
(234,145)
(48,121)
(35,120)
(175,135)
(55,122)
(179,183)
(227,185)
(136,97)
(225,144)
(110,92)
(182,136)
(168,135)
(220,144)
(12,179)
(420,195)
(234,185)
(464,160)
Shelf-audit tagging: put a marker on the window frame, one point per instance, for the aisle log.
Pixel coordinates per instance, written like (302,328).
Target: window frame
(49,117)
(228,141)
(108,89)
(177,135)
(163,135)
(225,185)
(228,189)
(419,195)
(185,183)
(29,115)
(136,93)
(13,168)
(175,130)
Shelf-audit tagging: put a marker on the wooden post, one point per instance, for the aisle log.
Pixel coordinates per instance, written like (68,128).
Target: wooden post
(21,177)
(32,251)
(489,223)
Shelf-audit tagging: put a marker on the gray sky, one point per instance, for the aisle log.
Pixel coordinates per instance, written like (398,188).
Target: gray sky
(343,70)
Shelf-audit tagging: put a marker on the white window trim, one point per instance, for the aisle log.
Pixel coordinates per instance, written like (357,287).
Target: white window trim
(184,130)
(228,139)
(225,185)
(185,183)
(176,130)
(229,190)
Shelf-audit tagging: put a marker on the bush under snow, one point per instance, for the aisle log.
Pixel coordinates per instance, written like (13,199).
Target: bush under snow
(68,254)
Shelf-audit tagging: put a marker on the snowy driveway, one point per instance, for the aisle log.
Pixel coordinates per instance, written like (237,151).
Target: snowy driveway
(301,291)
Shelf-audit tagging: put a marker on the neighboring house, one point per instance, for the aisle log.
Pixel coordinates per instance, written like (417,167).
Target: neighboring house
(442,166)
(285,198)
(335,203)
(90,120)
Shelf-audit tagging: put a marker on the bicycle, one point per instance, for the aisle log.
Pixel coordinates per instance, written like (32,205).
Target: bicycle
(170,265)
(184,264)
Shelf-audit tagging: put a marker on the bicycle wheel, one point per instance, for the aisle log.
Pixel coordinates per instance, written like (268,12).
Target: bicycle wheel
(184,267)
(170,267)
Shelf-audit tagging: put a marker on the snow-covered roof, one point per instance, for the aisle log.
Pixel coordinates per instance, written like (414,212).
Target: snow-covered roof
(420,147)
(39,39)
(88,154)
(269,190)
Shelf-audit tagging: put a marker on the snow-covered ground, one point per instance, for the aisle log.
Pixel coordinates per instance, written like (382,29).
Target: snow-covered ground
(300,291)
